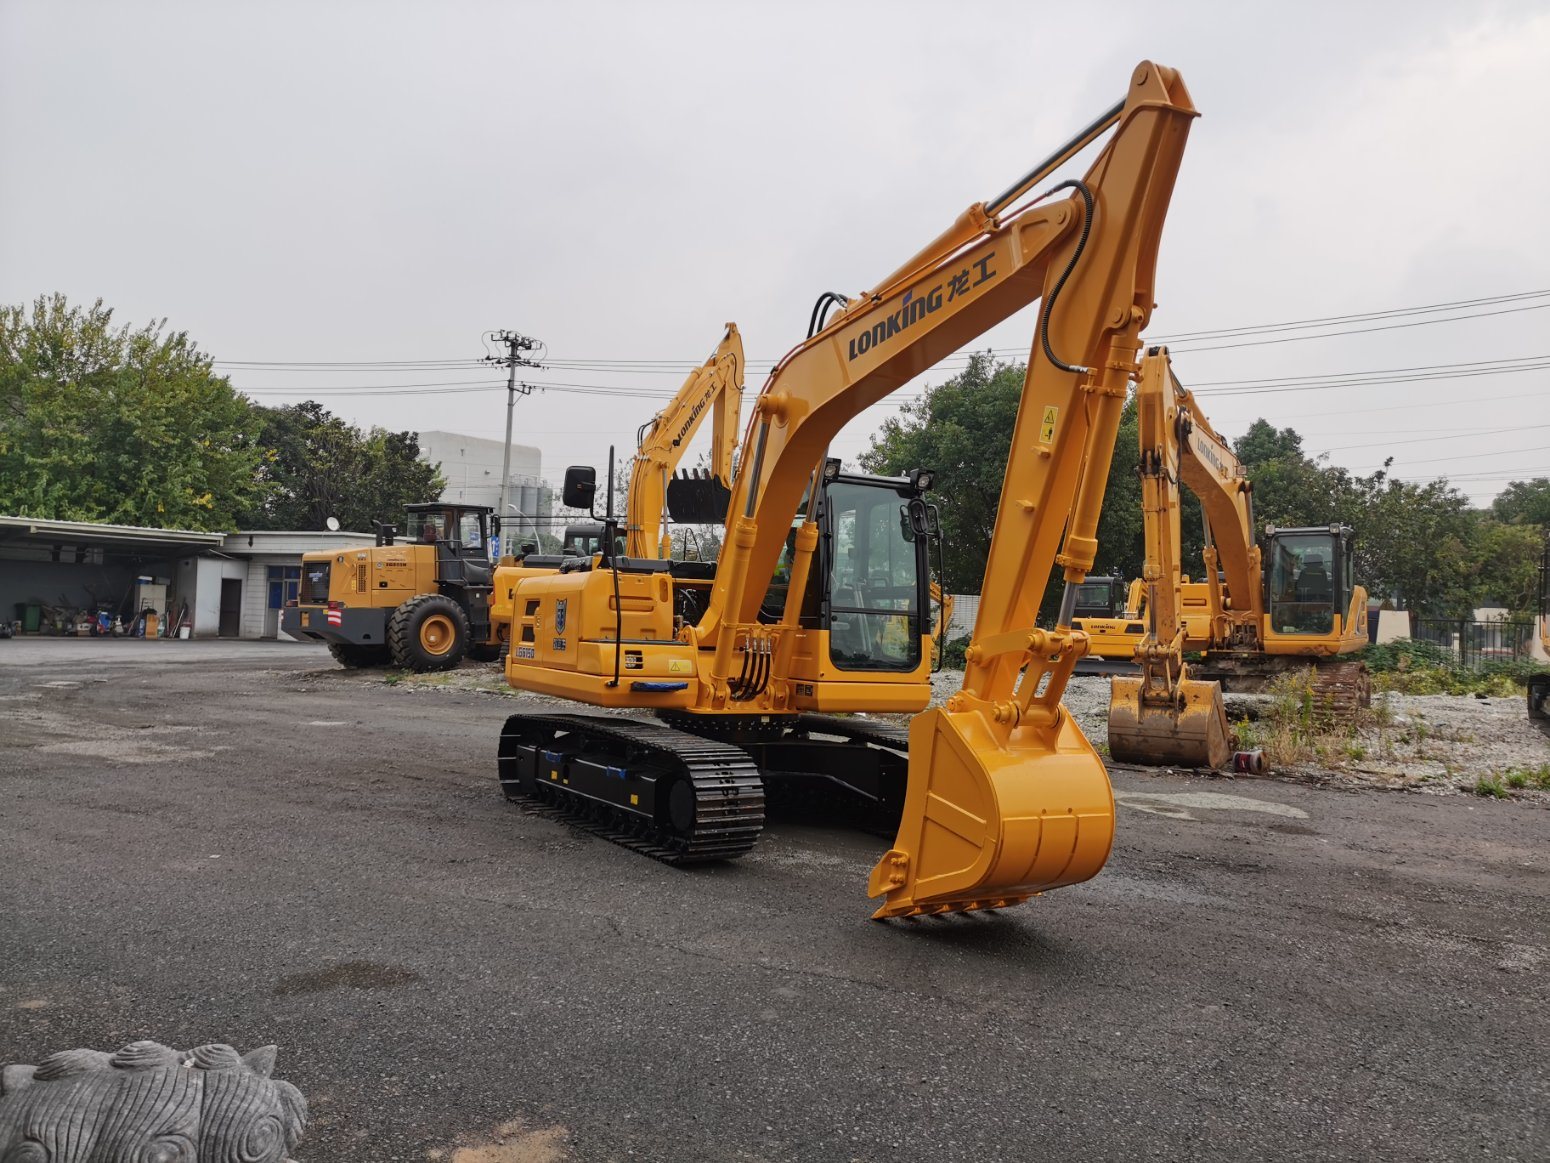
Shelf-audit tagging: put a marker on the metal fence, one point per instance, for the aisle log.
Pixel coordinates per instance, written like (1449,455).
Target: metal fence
(1477,642)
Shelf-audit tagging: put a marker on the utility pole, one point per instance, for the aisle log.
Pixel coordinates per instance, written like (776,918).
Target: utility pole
(514,344)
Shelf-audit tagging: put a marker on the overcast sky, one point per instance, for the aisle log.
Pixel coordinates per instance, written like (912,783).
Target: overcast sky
(374,182)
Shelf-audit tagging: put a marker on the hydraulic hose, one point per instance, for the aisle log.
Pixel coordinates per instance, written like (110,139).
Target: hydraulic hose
(1081,244)
(815,321)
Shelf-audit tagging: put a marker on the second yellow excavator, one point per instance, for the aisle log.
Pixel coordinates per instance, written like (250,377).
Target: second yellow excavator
(817,603)
(1305,611)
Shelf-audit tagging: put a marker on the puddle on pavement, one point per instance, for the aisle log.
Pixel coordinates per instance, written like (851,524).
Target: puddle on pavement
(1177,804)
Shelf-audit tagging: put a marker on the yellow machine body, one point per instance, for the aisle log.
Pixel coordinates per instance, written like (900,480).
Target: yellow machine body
(436,583)
(714,392)
(1243,623)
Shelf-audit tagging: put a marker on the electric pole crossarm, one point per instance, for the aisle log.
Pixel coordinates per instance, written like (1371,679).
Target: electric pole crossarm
(515,344)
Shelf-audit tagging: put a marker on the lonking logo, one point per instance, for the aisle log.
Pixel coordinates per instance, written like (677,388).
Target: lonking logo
(683,428)
(913,308)
(1206,453)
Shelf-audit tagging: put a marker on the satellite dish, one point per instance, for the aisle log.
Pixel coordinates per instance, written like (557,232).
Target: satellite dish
(333,524)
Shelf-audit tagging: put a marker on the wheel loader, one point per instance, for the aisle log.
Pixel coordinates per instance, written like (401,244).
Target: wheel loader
(739,671)
(421,603)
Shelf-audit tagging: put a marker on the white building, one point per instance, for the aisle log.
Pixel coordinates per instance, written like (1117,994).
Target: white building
(472,468)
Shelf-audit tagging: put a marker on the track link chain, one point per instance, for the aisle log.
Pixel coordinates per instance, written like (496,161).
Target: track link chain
(728,792)
(888,735)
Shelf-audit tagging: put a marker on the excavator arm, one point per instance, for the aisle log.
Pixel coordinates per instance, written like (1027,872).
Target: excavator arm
(1163,715)
(714,390)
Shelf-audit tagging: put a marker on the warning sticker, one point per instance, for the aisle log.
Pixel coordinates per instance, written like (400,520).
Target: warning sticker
(679,666)
(1047,427)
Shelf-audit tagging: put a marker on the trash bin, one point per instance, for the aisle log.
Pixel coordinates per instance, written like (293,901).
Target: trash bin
(32,618)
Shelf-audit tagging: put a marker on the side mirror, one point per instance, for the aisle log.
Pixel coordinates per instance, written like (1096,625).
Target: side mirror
(495,524)
(919,517)
(933,522)
(580,486)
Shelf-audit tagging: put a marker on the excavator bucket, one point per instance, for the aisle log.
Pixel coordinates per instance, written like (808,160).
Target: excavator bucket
(1192,732)
(991,819)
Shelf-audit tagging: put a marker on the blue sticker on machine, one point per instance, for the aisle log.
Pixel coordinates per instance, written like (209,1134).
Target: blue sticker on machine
(559,615)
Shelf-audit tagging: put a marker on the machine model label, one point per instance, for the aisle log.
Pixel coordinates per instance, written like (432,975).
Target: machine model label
(699,406)
(634,660)
(525,652)
(558,645)
(913,308)
(1206,453)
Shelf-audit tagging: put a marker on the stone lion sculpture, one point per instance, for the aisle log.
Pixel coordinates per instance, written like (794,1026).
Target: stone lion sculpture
(148,1103)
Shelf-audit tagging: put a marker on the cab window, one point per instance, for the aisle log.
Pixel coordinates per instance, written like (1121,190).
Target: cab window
(874,581)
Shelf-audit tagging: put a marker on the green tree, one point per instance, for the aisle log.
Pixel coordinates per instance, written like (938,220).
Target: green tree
(129,426)
(316,465)
(1505,566)
(1524,503)
(962,430)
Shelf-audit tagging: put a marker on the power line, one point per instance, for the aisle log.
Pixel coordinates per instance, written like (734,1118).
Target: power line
(684,366)
(1365,330)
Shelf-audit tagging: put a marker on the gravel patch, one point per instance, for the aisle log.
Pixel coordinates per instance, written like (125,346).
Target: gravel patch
(1429,743)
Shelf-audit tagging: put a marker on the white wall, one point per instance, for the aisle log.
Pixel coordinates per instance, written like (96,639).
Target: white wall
(472,468)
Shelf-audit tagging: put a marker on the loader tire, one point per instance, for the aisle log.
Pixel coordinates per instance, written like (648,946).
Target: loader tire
(429,632)
(354,657)
(486,651)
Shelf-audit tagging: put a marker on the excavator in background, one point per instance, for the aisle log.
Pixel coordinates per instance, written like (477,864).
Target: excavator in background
(1114,625)
(816,604)
(713,391)
(1306,611)
(1109,610)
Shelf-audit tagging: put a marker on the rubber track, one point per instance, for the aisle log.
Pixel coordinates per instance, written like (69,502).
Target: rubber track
(1341,688)
(726,825)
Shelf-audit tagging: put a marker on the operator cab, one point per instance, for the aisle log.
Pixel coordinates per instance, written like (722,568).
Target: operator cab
(870,578)
(1101,597)
(465,529)
(1310,578)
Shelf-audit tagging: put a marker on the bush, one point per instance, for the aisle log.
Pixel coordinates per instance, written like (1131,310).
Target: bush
(952,653)
(1423,668)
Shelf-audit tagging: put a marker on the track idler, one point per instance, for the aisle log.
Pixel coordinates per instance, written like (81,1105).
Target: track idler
(994,815)
(1183,728)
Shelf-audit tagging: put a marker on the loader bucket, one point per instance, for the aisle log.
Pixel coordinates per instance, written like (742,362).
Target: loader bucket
(1191,733)
(990,819)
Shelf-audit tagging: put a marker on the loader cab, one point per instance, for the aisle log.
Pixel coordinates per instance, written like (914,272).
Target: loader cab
(1309,579)
(463,529)
(874,568)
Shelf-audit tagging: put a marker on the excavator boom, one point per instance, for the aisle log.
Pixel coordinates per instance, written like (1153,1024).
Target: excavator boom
(714,391)
(1163,715)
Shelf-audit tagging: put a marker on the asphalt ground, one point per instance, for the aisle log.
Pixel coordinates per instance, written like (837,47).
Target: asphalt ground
(221,842)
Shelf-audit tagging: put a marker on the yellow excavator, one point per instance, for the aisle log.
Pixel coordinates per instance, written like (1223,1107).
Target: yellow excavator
(1306,611)
(713,391)
(817,603)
